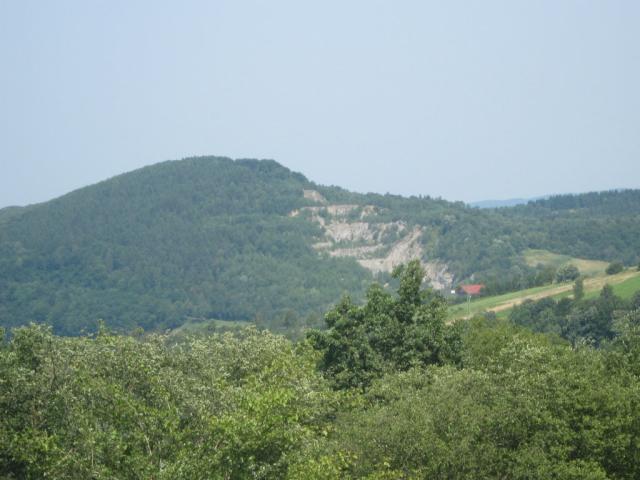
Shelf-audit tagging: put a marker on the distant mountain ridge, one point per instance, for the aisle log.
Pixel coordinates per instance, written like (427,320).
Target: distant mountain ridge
(211,237)
(510,202)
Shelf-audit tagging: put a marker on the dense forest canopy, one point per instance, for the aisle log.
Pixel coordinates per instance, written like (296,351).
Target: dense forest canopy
(204,237)
(212,238)
(388,391)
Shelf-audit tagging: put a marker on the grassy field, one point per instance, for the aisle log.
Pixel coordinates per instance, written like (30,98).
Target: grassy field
(625,289)
(588,268)
(489,303)
(624,284)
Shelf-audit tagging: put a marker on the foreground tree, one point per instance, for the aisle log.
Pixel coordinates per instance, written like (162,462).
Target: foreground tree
(388,333)
(215,407)
(524,407)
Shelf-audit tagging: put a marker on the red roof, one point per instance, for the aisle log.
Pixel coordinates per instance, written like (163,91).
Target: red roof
(472,289)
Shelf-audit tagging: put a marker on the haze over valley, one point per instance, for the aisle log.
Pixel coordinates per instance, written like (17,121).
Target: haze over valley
(251,240)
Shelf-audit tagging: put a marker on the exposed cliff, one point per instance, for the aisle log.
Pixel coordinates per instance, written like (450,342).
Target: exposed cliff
(352,231)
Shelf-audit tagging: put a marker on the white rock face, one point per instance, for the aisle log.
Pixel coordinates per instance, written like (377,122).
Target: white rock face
(322,245)
(356,252)
(335,213)
(403,251)
(377,246)
(340,210)
(437,273)
(349,232)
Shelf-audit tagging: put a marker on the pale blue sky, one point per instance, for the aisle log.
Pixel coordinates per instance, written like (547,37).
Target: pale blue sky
(464,100)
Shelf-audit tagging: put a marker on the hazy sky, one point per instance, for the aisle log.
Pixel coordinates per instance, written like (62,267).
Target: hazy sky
(465,100)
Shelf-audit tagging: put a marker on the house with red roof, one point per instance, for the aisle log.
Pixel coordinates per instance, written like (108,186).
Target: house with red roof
(470,290)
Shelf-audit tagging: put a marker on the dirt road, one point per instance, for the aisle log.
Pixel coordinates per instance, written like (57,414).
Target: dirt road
(590,284)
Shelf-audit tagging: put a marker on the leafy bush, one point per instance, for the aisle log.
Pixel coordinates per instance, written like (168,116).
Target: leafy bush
(567,273)
(614,267)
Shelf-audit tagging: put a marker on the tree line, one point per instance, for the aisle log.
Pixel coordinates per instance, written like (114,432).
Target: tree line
(388,391)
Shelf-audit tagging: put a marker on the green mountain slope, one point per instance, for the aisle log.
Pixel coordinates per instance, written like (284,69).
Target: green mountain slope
(203,237)
(213,238)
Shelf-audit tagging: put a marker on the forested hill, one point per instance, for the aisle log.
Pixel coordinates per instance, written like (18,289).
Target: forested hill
(201,237)
(208,237)
(598,225)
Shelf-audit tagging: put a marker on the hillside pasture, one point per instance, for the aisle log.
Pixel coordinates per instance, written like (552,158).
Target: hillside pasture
(624,284)
(588,268)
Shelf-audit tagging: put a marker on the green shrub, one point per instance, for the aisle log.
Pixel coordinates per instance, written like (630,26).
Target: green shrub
(614,267)
(567,273)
